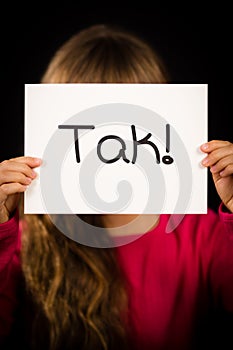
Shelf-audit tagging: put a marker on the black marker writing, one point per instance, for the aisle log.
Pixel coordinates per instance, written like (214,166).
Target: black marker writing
(121,153)
(141,142)
(167,159)
(76,141)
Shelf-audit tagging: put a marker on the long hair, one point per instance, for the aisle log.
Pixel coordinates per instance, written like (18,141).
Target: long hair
(79,293)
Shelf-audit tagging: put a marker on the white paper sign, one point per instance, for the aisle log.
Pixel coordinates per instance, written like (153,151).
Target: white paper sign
(116,148)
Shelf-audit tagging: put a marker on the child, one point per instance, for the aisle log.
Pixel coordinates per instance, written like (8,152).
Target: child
(157,292)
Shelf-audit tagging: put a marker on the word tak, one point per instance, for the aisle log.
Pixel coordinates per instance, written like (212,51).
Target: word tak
(167,159)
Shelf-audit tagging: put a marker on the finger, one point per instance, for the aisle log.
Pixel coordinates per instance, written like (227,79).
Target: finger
(227,171)
(11,166)
(221,164)
(13,176)
(217,155)
(30,161)
(214,144)
(8,189)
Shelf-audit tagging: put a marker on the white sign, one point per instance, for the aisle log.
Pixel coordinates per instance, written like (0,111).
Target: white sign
(116,148)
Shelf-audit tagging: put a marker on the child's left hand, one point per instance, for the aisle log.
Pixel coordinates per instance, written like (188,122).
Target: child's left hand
(220,161)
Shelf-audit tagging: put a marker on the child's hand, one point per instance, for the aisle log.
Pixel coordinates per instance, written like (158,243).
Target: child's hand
(16,174)
(220,160)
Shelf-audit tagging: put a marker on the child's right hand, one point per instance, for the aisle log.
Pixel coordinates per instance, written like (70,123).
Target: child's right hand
(16,174)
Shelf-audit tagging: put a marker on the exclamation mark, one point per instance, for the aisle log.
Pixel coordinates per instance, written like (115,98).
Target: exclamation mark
(167,159)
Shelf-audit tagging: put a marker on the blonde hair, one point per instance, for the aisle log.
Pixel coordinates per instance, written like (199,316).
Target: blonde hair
(79,293)
(103,54)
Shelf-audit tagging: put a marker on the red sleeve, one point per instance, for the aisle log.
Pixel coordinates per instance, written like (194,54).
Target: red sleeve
(221,267)
(10,273)
(227,218)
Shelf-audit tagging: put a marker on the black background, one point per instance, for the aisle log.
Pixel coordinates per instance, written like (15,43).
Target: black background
(194,44)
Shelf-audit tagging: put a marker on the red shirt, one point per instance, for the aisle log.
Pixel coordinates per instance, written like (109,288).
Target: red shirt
(173,279)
